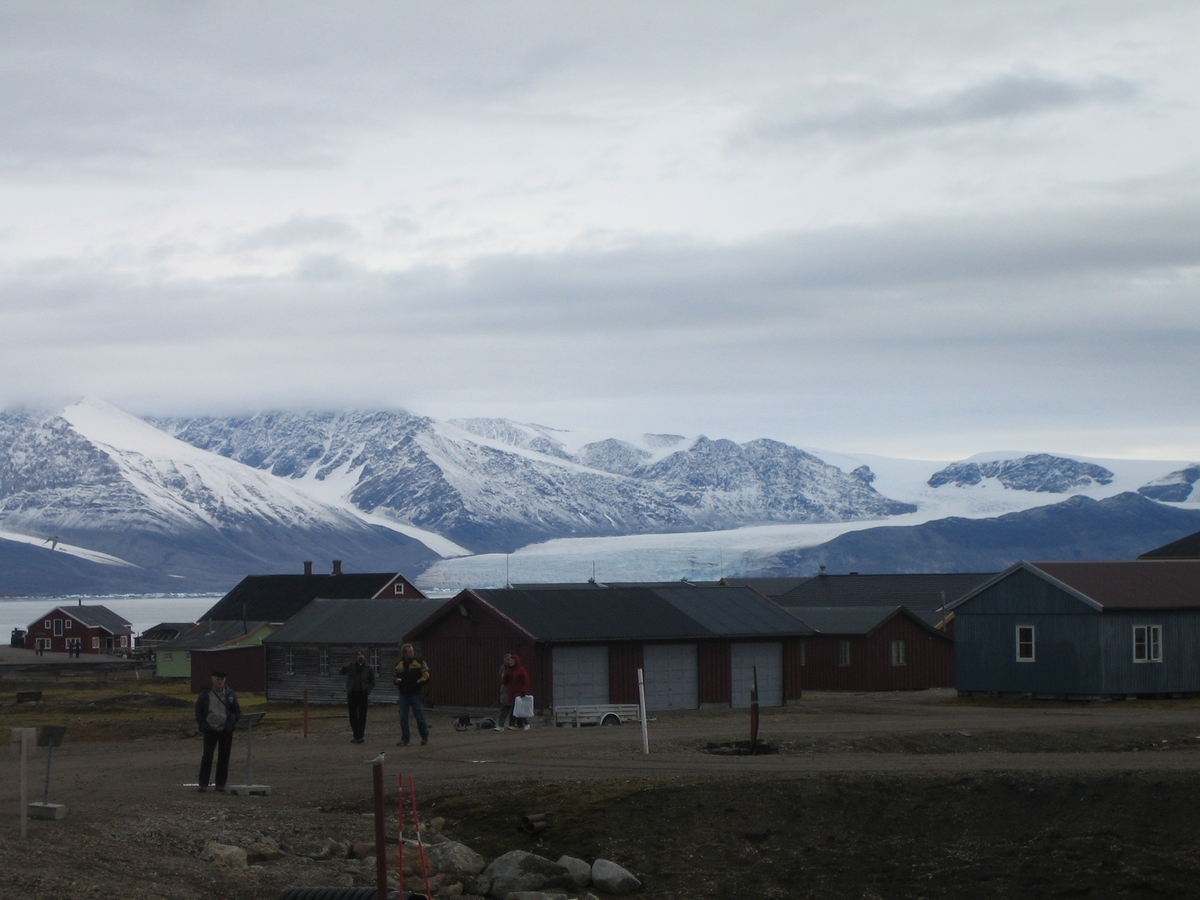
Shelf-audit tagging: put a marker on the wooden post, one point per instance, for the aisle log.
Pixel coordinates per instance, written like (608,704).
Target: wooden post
(306,712)
(24,737)
(642,713)
(380,832)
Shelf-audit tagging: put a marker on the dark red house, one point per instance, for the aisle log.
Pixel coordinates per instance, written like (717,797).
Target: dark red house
(91,629)
(874,648)
(697,646)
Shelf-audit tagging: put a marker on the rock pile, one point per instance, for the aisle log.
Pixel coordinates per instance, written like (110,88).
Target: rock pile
(455,870)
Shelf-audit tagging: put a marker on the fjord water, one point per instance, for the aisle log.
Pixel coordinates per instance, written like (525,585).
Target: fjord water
(143,611)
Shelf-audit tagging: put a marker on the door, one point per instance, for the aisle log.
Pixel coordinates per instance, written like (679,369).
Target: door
(767,657)
(580,676)
(670,676)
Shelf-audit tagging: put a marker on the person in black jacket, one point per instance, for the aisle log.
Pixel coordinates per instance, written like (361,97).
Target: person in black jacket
(360,681)
(217,715)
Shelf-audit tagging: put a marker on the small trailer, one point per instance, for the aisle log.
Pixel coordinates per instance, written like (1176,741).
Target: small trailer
(596,714)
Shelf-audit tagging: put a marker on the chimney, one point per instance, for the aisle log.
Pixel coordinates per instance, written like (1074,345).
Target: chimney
(822,572)
(337,567)
(308,567)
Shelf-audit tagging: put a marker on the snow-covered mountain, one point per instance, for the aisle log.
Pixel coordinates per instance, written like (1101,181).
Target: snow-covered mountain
(494,485)
(196,503)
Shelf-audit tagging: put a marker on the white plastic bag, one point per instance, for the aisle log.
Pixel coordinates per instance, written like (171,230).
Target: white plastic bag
(523,707)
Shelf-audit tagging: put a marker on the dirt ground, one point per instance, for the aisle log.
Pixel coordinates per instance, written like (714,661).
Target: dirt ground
(912,795)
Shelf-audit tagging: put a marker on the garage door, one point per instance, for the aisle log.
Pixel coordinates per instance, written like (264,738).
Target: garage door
(580,675)
(768,658)
(670,675)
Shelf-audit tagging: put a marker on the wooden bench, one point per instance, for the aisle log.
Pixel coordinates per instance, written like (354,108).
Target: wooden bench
(29,696)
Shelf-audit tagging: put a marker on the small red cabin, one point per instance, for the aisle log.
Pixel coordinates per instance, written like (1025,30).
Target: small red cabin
(90,629)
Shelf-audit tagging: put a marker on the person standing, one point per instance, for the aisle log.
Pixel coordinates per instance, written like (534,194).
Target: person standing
(410,678)
(360,681)
(217,715)
(505,701)
(517,681)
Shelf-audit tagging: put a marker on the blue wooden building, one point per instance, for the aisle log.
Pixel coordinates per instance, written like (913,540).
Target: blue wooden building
(1082,629)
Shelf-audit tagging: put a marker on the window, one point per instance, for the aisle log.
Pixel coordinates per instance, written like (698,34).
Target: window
(843,653)
(398,587)
(1025,643)
(899,652)
(324,661)
(289,661)
(375,661)
(95,643)
(1147,643)
(167,655)
(46,624)
(187,655)
(68,624)
(124,639)
(57,627)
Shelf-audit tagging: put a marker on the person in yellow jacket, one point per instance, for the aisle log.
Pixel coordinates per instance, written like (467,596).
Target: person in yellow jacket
(410,679)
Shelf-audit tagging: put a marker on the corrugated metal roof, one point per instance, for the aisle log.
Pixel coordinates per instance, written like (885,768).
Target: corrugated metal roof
(98,617)
(1134,584)
(919,593)
(276,598)
(733,611)
(585,614)
(355,621)
(1184,548)
(858,620)
(212,634)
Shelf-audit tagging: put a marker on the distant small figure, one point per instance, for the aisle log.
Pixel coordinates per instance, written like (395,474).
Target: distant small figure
(217,715)
(52,541)
(506,706)
(516,680)
(360,681)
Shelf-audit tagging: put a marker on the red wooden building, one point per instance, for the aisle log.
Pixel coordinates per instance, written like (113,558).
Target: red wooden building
(90,629)
(697,646)
(874,648)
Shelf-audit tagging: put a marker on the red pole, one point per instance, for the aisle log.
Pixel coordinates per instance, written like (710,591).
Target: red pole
(380,833)
(412,792)
(400,827)
(306,712)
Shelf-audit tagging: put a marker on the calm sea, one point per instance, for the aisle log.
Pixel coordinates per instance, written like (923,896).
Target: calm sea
(143,611)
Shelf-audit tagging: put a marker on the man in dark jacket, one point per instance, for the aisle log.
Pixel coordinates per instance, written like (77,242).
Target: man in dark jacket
(360,681)
(217,715)
(410,679)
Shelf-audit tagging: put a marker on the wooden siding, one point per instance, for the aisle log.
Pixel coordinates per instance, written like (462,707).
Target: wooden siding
(329,688)
(930,660)
(245,667)
(624,659)
(793,672)
(715,676)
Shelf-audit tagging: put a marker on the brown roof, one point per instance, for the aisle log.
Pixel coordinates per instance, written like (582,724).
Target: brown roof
(1138,584)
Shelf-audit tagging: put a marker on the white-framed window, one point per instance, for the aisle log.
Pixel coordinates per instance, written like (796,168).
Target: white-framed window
(1147,643)
(289,661)
(68,624)
(168,655)
(124,640)
(1026,644)
(57,627)
(95,643)
(899,652)
(398,588)
(187,656)
(46,624)
(324,661)
(843,658)
(374,660)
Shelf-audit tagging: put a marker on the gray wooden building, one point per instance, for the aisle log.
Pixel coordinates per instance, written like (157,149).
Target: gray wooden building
(308,651)
(1082,629)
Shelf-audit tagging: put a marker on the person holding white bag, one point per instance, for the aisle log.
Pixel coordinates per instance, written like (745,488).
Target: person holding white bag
(517,685)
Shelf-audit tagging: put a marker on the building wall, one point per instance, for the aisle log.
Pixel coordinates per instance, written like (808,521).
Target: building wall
(930,660)
(1078,650)
(624,660)
(244,665)
(327,688)
(178,666)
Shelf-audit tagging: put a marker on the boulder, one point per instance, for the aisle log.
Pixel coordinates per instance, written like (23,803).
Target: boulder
(362,849)
(455,858)
(612,879)
(224,855)
(263,851)
(581,872)
(327,848)
(519,870)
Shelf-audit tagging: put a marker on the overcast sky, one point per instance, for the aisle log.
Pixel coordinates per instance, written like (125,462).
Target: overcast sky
(919,229)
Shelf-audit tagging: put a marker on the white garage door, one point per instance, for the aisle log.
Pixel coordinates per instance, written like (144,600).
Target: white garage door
(580,675)
(768,658)
(670,675)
